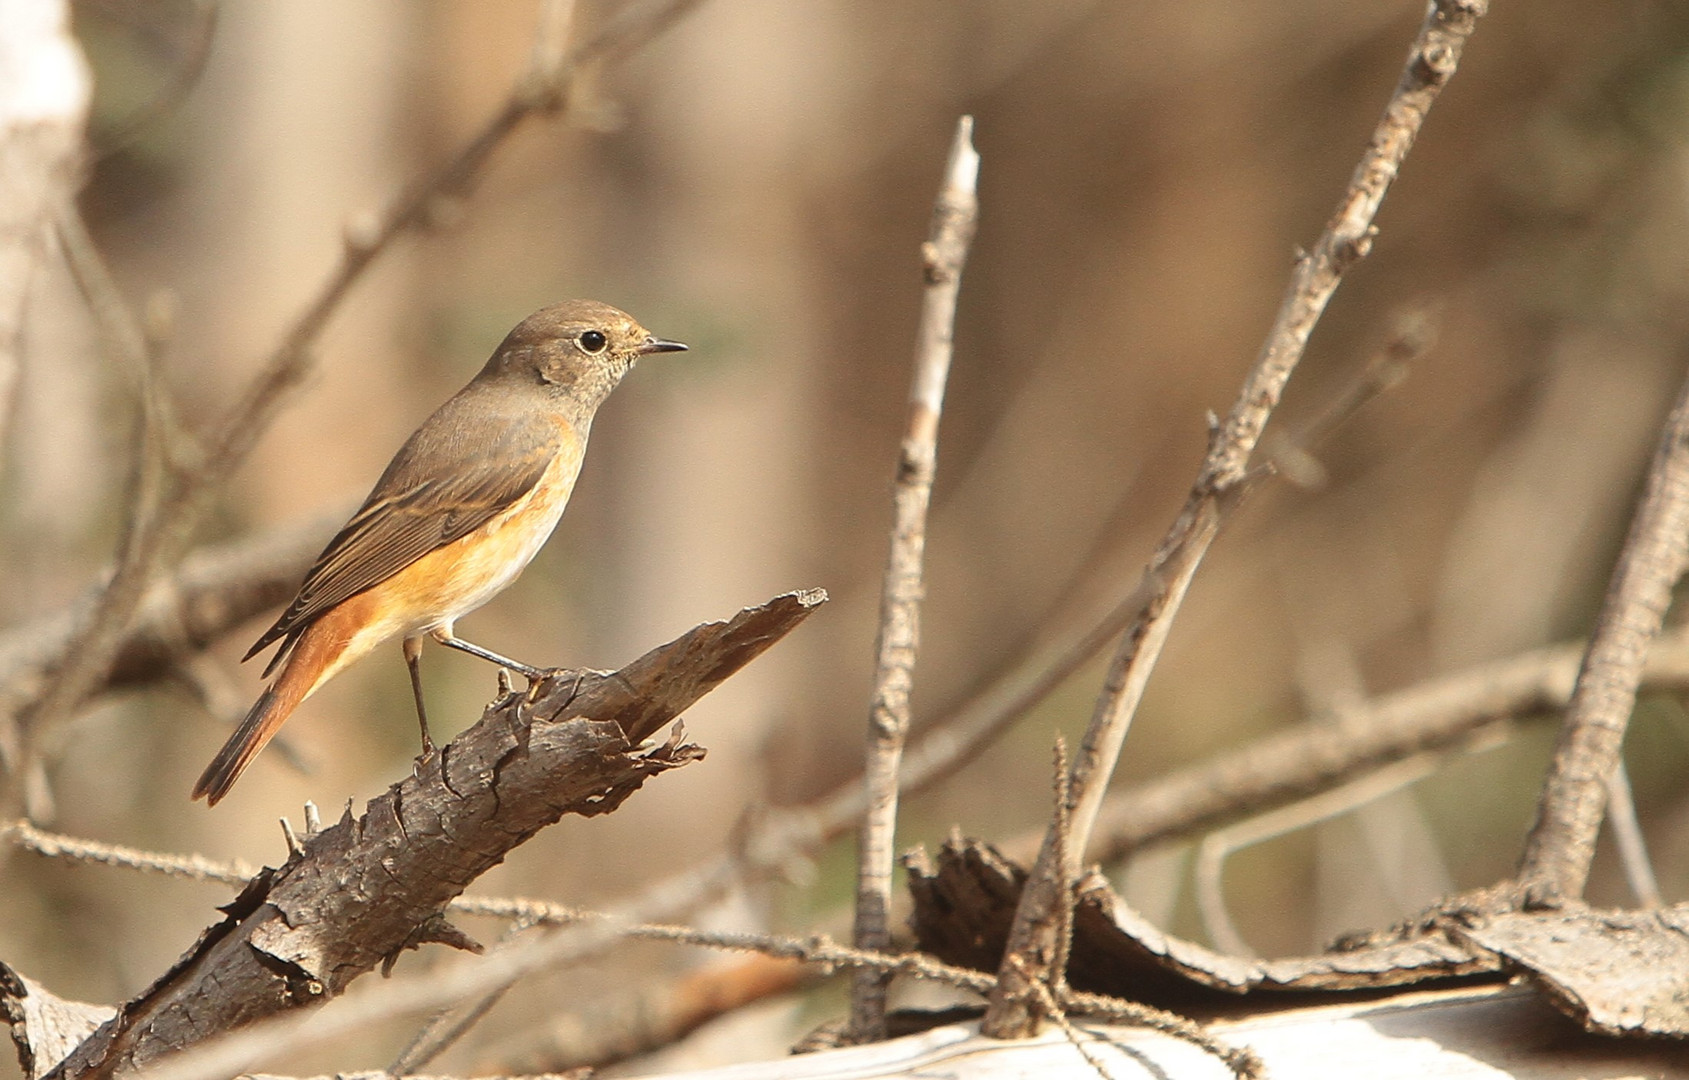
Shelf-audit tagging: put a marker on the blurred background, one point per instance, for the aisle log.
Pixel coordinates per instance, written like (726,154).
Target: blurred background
(757,183)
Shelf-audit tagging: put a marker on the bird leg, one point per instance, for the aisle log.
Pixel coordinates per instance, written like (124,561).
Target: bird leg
(444,636)
(413,660)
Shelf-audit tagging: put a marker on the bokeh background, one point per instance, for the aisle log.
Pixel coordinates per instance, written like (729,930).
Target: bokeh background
(757,182)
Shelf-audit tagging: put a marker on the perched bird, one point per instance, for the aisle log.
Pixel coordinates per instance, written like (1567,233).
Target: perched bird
(465,504)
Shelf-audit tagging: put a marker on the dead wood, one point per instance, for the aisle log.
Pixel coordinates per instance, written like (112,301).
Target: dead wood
(965,903)
(45,1027)
(1612,972)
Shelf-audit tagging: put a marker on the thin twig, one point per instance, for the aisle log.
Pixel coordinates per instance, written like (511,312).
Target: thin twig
(183,77)
(1072,1034)
(1241,1060)
(543,90)
(1347,238)
(1412,336)
(1628,838)
(193,867)
(1315,757)
(450,1025)
(1062,816)
(954,216)
(650,1017)
(1561,843)
(1216,847)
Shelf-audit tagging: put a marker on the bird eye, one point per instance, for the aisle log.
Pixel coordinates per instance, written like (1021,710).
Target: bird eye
(593,342)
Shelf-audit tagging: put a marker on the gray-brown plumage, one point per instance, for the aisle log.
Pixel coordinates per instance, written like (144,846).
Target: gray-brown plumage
(463,507)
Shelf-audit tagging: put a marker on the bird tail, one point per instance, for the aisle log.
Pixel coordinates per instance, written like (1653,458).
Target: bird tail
(307,666)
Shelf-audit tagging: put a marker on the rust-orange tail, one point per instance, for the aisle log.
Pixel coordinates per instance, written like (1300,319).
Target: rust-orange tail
(303,670)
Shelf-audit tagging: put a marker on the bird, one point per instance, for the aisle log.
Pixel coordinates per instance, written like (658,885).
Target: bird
(463,507)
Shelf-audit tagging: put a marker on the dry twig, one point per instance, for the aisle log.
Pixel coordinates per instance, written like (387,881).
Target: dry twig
(650,1017)
(954,215)
(1346,239)
(1562,841)
(44,94)
(192,867)
(1628,838)
(449,1025)
(1219,845)
(1315,757)
(184,75)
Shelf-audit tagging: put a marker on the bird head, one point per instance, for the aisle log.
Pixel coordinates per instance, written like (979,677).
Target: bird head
(576,350)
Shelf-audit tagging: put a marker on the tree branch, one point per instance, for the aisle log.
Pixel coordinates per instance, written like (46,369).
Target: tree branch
(954,216)
(362,891)
(1315,757)
(1346,239)
(44,93)
(214,590)
(1561,843)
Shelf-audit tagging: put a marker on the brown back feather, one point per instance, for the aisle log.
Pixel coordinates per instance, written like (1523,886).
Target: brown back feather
(468,462)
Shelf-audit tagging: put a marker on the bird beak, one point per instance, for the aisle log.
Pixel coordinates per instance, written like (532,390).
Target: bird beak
(656,344)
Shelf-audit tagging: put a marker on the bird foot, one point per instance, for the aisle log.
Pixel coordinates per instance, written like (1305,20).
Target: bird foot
(423,757)
(547,677)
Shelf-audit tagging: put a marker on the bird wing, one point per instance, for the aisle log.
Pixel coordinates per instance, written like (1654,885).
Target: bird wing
(439,488)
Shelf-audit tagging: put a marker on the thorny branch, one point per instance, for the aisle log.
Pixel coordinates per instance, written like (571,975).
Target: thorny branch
(955,213)
(355,895)
(1014,1010)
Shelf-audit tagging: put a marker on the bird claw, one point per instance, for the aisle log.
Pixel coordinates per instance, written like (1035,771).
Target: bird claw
(549,676)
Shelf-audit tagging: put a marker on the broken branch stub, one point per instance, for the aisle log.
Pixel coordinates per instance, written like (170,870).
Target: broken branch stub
(360,891)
